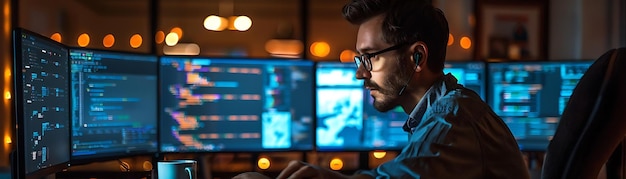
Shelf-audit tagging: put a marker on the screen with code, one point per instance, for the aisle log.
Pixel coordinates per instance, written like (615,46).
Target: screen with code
(114,103)
(213,105)
(531,96)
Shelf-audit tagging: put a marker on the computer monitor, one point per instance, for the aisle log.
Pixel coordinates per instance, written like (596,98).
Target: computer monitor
(42,103)
(531,96)
(114,104)
(471,74)
(347,120)
(234,105)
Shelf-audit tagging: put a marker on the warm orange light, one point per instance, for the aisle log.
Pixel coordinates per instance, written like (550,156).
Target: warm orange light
(215,23)
(147,166)
(320,49)
(7,79)
(7,17)
(83,40)
(7,74)
(284,47)
(159,37)
(171,39)
(182,49)
(450,39)
(379,154)
(242,23)
(466,42)
(178,31)
(263,163)
(347,56)
(56,37)
(336,164)
(135,41)
(108,40)
(7,139)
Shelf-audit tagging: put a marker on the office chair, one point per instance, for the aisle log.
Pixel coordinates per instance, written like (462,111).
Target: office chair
(593,123)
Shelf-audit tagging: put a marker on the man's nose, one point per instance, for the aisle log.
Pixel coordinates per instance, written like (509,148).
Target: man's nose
(362,73)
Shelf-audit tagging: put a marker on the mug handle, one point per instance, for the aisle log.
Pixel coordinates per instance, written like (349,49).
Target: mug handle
(188,170)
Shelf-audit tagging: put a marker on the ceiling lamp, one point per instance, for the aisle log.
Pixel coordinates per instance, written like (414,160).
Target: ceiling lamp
(219,23)
(215,23)
(171,39)
(242,23)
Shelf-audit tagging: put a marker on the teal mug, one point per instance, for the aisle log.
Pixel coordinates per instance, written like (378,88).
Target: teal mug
(177,169)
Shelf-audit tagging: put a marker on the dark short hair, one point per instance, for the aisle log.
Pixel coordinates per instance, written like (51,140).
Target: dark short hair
(406,21)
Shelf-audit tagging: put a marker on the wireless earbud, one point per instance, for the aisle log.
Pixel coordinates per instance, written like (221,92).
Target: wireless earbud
(417,56)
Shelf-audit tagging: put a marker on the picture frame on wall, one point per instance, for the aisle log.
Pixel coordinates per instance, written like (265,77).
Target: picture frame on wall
(511,30)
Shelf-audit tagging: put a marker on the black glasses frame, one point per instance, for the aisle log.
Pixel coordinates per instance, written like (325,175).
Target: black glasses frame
(364,59)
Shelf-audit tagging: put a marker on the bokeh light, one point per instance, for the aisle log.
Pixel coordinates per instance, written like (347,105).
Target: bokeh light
(83,40)
(108,40)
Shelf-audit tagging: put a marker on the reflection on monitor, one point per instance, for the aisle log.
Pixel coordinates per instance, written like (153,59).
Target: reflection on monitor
(346,119)
(42,103)
(530,97)
(236,105)
(470,74)
(114,103)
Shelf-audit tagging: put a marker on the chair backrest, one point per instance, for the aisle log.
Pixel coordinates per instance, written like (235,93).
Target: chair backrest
(593,123)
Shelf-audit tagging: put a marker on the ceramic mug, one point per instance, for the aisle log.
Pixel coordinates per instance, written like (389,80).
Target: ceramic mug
(177,169)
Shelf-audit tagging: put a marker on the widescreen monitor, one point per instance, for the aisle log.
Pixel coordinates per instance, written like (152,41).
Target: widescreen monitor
(347,120)
(531,96)
(234,105)
(42,103)
(114,103)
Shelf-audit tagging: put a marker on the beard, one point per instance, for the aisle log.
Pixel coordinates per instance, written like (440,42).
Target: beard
(389,98)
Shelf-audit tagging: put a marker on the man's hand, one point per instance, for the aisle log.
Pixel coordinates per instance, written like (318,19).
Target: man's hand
(298,169)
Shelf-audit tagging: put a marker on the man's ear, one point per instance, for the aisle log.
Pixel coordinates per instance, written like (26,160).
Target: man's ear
(419,56)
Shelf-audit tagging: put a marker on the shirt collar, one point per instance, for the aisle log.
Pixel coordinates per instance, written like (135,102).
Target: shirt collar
(438,89)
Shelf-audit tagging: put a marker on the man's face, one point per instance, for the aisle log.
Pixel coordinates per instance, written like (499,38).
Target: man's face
(387,76)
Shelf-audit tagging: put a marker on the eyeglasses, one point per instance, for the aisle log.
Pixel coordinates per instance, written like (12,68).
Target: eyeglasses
(364,59)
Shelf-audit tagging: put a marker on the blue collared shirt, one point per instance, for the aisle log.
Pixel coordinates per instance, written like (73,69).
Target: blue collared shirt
(454,134)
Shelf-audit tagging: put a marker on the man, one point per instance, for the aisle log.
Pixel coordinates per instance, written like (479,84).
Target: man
(452,132)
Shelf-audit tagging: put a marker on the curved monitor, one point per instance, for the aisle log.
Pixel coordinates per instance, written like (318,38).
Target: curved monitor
(531,96)
(232,105)
(114,104)
(42,103)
